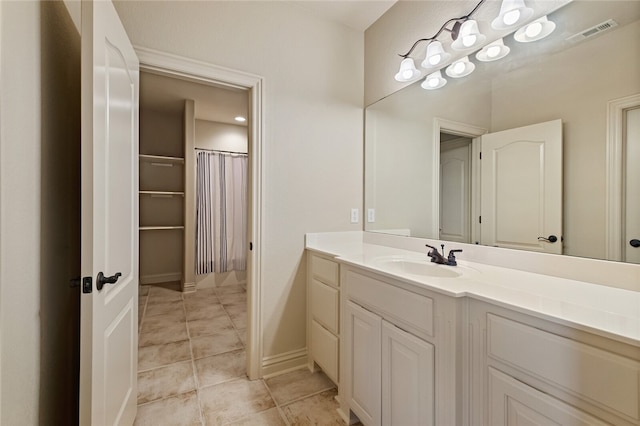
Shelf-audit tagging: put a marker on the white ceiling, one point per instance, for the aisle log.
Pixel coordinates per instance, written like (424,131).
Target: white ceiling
(357,14)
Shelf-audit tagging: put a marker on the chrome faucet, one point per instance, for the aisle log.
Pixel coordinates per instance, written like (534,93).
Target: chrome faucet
(436,257)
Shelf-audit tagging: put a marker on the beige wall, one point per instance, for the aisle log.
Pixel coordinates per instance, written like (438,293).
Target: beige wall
(400,147)
(313,71)
(39,213)
(221,136)
(161,132)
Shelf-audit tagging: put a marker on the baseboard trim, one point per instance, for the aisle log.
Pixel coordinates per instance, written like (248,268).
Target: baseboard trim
(160,278)
(189,287)
(283,363)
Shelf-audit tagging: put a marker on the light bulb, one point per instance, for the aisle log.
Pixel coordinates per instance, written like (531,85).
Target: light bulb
(407,74)
(433,82)
(469,40)
(493,51)
(458,67)
(435,59)
(533,30)
(511,17)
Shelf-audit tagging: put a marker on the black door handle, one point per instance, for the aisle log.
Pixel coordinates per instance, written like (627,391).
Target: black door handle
(101,280)
(550,239)
(635,242)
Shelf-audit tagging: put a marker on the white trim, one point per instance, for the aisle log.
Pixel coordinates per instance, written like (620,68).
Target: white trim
(283,363)
(469,131)
(615,171)
(189,69)
(160,278)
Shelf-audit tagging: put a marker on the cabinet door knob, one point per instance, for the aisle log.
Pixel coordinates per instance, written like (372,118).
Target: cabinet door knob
(634,243)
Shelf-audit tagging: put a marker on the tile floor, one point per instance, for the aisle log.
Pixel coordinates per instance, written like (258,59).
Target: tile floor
(191,366)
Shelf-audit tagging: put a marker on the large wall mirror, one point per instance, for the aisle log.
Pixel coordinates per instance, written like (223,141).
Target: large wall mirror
(423,172)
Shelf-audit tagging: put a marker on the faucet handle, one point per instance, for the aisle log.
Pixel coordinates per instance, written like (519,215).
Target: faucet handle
(452,257)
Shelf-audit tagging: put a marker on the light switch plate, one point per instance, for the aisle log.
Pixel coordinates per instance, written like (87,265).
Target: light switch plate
(355,213)
(371,215)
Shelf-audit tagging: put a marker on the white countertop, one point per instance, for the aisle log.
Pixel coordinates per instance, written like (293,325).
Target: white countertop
(606,311)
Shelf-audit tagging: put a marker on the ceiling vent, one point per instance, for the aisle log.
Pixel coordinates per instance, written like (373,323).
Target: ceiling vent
(593,31)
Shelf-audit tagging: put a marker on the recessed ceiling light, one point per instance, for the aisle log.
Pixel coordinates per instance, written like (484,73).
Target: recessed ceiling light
(240,119)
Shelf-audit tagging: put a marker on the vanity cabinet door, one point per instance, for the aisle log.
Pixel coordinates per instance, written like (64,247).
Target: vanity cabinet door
(407,378)
(513,403)
(363,334)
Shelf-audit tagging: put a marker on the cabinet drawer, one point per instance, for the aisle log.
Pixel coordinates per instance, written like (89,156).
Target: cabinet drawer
(593,374)
(408,310)
(324,347)
(325,270)
(324,305)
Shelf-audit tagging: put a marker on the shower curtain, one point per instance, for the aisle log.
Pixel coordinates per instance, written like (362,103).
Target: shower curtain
(221,212)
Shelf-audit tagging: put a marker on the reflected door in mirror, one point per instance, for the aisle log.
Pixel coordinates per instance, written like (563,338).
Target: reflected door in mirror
(455,190)
(632,186)
(522,187)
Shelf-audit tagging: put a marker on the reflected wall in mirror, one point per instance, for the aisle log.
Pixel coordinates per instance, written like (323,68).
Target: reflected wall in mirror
(575,81)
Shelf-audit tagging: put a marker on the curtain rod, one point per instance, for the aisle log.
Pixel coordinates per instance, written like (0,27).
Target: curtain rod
(221,151)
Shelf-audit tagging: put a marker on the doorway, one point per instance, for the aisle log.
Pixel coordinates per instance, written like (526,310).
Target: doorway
(193,71)
(455,188)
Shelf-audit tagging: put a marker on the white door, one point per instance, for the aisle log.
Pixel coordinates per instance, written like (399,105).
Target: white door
(363,334)
(109,316)
(521,188)
(631,239)
(408,378)
(455,191)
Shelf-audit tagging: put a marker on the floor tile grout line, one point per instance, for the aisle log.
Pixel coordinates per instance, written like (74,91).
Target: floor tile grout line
(308,396)
(193,364)
(278,407)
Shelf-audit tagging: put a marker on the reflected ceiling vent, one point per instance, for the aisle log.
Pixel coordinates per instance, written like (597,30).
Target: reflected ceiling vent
(593,31)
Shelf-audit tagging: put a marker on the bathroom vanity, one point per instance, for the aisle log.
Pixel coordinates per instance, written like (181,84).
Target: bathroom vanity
(475,344)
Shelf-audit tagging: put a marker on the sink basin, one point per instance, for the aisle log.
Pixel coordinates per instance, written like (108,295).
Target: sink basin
(419,267)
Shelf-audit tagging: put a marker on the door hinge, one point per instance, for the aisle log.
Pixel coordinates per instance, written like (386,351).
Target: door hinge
(479,219)
(87,286)
(481,155)
(250,246)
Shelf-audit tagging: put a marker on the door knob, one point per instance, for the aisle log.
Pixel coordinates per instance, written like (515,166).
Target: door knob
(101,280)
(549,239)
(635,242)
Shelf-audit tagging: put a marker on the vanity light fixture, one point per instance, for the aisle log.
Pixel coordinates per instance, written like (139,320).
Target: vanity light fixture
(512,14)
(460,68)
(469,36)
(493,51)
(537,30)
(466,36)
(408,71)
(435,55)
(433,81)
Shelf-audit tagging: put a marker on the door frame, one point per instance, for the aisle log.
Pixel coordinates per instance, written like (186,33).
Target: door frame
(465,130)
(615,174)
(189,69)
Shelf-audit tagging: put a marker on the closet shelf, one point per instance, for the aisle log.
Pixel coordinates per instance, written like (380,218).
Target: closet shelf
(159,228)
(169,193)
(161,159)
